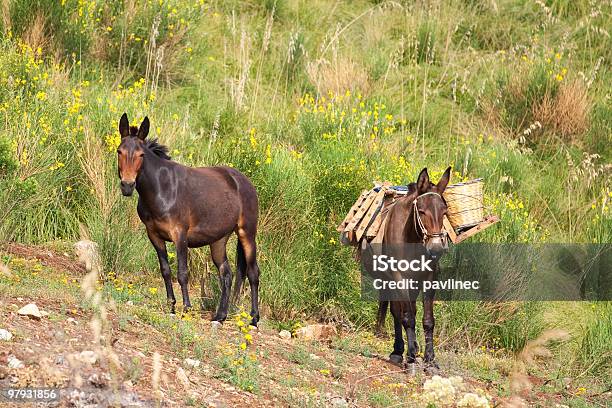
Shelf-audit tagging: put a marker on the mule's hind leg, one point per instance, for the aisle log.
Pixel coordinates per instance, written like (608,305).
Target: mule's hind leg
(397,355)
(219,257)
(247,256)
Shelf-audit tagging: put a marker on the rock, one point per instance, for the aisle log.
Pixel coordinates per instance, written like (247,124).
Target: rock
(32,311)
(215,324)
(14,362)
(316,332)
(338,402)
(72,320)
(98,380)
(192,362)
(285,334)
(60,360)
(87,357)
(182,378)
(5,335)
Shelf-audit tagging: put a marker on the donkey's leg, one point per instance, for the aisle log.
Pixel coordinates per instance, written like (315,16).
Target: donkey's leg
(219,256)
(428,327)
(249,252)
(397,355)
(409,323)
(182,273)
(164,267)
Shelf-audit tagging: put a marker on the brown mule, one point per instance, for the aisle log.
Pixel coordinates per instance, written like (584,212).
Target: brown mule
(420,224)
(191,207)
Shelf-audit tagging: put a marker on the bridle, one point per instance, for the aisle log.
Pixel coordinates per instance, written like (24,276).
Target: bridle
(442,235)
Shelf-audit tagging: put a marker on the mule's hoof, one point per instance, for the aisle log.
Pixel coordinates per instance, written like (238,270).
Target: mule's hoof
(396,359)
(411,369)
(431,368)
(219,318)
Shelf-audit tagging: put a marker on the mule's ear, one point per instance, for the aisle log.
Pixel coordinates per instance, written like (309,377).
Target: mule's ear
(444,180)
(124,126)
(423,181)
(143,130)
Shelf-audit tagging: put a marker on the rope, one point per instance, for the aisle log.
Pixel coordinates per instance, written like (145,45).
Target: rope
(417,218)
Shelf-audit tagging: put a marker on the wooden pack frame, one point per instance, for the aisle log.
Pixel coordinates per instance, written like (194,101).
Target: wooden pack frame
(367,218)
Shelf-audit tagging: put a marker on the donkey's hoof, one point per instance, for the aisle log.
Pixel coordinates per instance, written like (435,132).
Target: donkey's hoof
(396,359)
(411,369)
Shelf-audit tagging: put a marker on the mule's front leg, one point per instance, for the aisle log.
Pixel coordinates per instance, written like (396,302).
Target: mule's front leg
(182,272)
(428,327)
(164,267)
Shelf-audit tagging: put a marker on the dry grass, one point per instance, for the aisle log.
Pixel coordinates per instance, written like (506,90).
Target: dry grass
(36,35)
(338,75)
(6,15)
(566,113)
(520,384)
(95,166)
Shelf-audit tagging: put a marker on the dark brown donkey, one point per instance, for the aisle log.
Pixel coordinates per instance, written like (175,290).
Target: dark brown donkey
(417,219)
(191,207)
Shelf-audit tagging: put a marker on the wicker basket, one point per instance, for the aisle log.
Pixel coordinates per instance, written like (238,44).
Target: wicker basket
(465,203)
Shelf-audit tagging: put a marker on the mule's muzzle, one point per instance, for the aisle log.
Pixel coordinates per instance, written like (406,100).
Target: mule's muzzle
(437,245)
(127,187)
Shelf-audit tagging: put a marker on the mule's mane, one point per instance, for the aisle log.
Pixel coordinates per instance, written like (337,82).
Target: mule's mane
(159,149)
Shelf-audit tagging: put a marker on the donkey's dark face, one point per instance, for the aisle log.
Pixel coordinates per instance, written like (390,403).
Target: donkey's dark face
(430,210)
(130,153)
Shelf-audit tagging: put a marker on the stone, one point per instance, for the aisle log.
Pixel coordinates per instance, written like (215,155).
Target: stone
(98,380)
(5,335)
(285,334)
(316,332)
(32,311)
(192,362)
(182,379)
(338,402)
(14,362)
(88,357)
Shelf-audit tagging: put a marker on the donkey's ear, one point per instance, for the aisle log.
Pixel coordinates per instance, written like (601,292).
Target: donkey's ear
(143,130)
(124,126)
(444,180)
(423,181)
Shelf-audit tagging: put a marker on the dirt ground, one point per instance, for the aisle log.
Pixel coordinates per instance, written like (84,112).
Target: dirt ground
(144,356)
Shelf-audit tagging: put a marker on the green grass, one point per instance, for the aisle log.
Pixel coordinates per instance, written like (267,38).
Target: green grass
(457,84)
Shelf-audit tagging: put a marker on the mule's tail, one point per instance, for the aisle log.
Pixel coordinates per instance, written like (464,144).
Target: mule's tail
(381,316)
(241,271)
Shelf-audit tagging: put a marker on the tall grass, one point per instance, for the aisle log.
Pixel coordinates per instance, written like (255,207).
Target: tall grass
(313,103)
